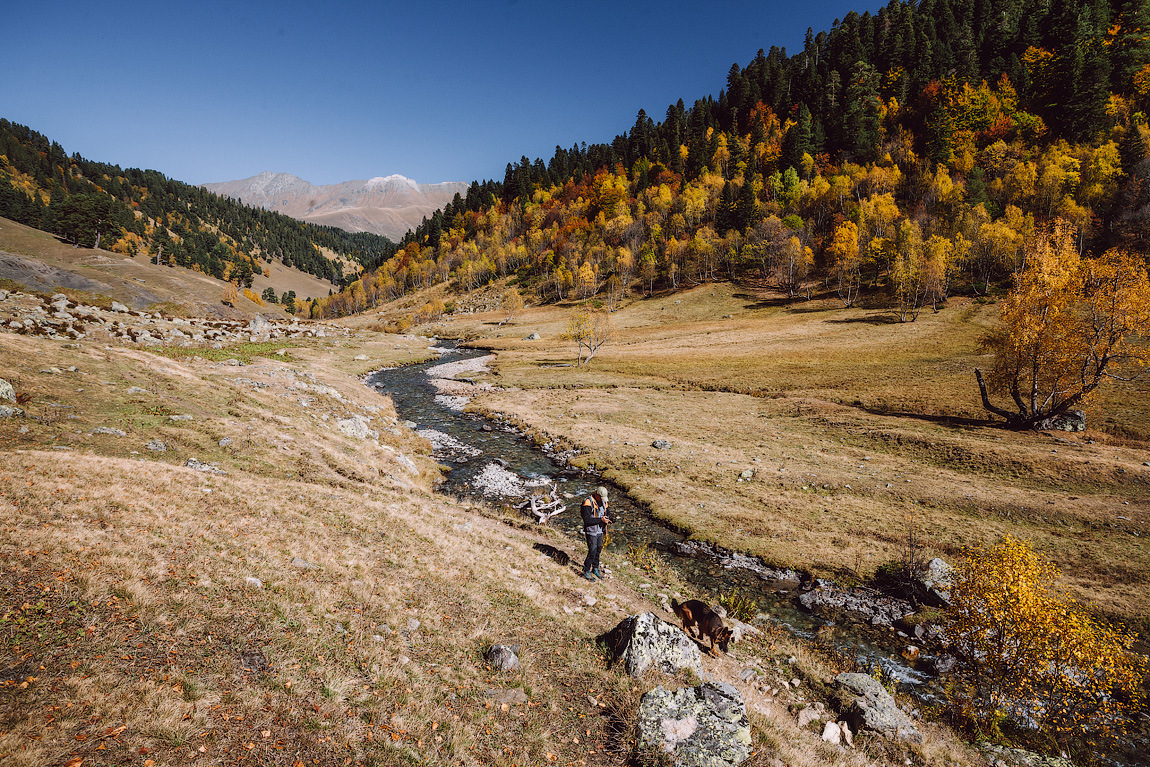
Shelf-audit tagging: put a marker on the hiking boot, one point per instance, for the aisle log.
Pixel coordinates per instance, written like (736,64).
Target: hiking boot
(598,574)
(589,576)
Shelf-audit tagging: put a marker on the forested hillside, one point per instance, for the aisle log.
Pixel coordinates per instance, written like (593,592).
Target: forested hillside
(911,150)
(143,213)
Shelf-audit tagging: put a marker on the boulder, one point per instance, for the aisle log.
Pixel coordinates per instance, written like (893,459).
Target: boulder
(7,391)
(357,427)
(532,337)
(1071,420)
(259,326)
(704,726)
(935,582)
(503,657)
(119,308)
(661,444)
(874,709)
(647,641)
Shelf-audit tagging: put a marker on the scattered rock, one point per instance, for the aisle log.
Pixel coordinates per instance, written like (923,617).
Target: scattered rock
(120,308)
(253,582)
(184,417)
(357,427)
(503,657)
(7,391)
(197,465)
(874,709)
(809,714)
(360,357)
(7,411)
(137,390)
(832,733)
(661,444)
(511,697)
(935,583)
(1003,756)
(532,337)
(647,641)
(303,564)
(225,442)
(704,726)
(156,446)
(108,430)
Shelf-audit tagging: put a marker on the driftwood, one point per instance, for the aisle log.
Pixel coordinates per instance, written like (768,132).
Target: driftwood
(543,507)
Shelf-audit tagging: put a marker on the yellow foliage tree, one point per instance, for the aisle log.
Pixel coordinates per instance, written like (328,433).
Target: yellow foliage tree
(844,250)
(1034,655)
(589,329)
(1066,326)
(512,303)
(231,294)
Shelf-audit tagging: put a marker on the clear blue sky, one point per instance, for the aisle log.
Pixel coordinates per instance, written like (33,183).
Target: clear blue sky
(330,91)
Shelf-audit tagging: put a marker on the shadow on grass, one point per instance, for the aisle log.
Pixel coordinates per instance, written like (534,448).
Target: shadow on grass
(945,420)
(870,319)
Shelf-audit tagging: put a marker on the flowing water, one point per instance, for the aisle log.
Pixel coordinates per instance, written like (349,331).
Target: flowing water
(473,445)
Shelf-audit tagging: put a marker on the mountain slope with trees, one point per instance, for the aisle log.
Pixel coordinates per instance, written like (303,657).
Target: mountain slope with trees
(144,213)
(911,151)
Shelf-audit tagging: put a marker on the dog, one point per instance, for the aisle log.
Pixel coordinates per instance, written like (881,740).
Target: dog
(560,556)
(705,621)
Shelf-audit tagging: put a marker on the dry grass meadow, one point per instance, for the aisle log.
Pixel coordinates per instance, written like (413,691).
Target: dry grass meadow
(857,428)
(316,602)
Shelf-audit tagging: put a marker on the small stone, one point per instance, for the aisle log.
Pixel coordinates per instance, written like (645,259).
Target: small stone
(412,624)
(183,417)
(137,390)
(253,582)
(661,444)
(303,564)
(225,442)
(108,430)
(832,733)
(50,371)
(7,391)
(156,446)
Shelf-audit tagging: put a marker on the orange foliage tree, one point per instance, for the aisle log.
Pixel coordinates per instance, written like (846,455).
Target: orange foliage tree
(1067,325)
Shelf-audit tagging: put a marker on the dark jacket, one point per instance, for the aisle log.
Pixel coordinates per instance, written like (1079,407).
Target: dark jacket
(593,514)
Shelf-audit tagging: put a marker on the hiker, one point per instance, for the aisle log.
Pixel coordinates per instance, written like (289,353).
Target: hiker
(595,521)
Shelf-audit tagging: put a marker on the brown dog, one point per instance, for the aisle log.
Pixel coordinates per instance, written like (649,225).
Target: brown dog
(706,621)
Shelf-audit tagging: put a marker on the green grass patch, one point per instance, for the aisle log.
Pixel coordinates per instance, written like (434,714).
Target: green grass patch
(244,352)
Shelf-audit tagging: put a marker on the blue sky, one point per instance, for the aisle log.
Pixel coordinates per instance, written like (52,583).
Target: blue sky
(436,91)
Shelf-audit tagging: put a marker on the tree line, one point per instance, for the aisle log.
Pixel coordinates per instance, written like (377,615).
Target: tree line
(914,151)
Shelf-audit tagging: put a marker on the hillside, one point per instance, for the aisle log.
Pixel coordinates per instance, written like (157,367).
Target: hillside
(389,206)
(223,554)
(39,261)
(143,213)
(907,155)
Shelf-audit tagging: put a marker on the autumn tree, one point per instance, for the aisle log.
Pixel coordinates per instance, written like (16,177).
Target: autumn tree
(589,329)
(1030,653)
(1067,325)
(846,265)
(512,303)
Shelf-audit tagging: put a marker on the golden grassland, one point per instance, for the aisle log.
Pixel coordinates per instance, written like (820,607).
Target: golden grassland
(134,630)
(856,427)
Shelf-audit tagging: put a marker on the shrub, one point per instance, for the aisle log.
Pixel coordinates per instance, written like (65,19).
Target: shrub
(1033,656)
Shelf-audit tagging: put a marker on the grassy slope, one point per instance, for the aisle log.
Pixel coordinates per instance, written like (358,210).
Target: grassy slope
(131,633)
(136,283)
(857,427)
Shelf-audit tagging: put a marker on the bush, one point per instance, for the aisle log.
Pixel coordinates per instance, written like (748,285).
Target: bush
(1032,656)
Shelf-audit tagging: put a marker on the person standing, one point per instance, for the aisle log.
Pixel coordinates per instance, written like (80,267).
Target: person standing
(595,521)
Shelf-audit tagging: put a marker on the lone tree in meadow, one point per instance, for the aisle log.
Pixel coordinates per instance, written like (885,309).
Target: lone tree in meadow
(512,303)
(589,329)
(1067,325)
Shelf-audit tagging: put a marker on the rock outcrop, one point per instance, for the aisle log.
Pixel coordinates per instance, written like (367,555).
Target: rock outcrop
(874,709)
(704,726)
(647,641)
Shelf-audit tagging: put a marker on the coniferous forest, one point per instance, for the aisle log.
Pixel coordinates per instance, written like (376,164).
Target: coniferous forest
(144,213)
(914,151)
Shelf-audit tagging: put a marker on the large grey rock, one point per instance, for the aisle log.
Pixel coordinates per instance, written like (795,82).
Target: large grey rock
(503,657)
(1017,757)
(1071,420)
(7,391)
(120,308)
(704,726)
(647,641)
(661,444)
(259,325)
(936,582)
(357,427)
(874,709)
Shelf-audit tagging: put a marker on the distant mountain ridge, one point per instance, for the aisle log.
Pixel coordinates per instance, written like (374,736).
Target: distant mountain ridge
(386,205)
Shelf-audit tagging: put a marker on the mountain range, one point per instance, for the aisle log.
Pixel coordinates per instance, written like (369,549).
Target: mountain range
(389,206)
